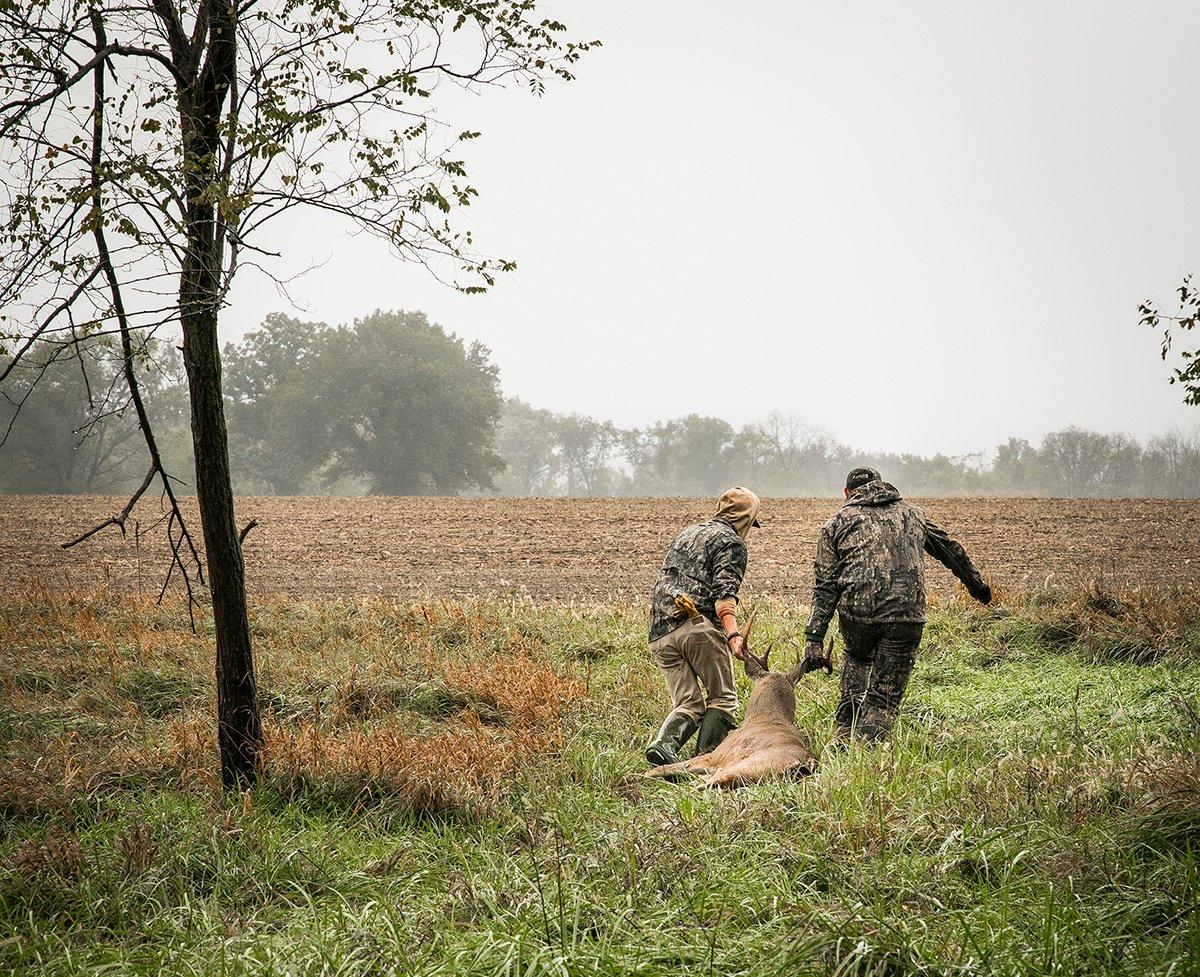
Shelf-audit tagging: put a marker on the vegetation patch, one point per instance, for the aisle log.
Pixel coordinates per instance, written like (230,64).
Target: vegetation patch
(453,789)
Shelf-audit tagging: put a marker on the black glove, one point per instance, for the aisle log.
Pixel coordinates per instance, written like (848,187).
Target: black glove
(983,594)
(815,659)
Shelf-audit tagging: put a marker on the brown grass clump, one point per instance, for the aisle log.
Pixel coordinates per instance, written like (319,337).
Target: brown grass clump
(1163,790)
(1109,625)
(457,770)
(427,706)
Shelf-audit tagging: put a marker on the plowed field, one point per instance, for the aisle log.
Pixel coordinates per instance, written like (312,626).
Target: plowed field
(579,550)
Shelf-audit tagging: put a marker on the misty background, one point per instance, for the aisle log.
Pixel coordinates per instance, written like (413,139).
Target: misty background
(761,248)
(393,404)
(925,226)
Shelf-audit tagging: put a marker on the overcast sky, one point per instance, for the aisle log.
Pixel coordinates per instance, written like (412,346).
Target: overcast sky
(926,226)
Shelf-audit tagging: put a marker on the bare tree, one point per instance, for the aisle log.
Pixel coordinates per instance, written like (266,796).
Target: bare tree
(789,450)
(146,144)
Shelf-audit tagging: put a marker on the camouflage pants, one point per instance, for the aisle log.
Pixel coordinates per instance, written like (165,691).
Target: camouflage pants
(878,662)
(696,654)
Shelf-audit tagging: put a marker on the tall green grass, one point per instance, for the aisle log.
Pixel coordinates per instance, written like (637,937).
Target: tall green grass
(1037,810)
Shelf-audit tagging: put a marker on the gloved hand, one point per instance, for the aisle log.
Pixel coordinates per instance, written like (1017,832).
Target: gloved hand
(984,594)
(815,659)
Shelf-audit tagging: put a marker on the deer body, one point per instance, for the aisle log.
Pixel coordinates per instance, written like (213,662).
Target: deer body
(766,745)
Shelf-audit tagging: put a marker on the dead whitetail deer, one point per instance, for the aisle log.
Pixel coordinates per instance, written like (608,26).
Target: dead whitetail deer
(767,744)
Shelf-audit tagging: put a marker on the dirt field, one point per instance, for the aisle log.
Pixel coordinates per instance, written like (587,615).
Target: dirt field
(583,550)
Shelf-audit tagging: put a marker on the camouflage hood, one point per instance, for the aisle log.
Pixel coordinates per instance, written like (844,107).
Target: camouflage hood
(876,492)
(739,507)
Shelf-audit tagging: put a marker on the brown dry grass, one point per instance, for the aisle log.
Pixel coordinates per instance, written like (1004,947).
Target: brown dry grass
(429,707)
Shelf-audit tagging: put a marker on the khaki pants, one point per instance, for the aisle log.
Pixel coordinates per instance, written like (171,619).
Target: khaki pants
(695,654)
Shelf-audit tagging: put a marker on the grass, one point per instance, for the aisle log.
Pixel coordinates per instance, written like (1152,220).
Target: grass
(453,789)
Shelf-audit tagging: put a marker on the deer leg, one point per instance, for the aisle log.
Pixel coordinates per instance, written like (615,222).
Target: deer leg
(698,765)
(668,771)
(755,769)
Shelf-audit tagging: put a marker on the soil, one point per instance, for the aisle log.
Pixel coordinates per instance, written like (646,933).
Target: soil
(586,550)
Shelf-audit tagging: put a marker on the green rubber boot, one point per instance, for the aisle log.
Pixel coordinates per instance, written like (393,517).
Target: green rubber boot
(714,727)
(676,731)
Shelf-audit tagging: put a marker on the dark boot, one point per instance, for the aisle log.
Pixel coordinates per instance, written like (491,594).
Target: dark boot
(676,731)
(854,679)
(714,727)
(875,724)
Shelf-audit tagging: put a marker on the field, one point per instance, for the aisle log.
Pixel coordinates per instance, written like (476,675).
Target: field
(452,785)
(563,550)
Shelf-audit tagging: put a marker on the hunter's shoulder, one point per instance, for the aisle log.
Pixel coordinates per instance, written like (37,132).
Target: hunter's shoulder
(706,535)
(721,535)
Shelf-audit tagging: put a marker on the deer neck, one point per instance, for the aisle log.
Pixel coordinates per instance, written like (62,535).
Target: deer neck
(771,701)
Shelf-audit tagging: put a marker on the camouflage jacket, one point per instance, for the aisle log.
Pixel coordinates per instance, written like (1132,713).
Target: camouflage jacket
(706,562)
(870,563)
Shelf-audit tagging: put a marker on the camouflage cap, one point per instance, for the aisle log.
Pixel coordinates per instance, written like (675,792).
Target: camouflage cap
(740,506)
(860,476)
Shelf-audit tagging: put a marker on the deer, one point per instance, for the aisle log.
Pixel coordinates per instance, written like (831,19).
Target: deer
(767,744)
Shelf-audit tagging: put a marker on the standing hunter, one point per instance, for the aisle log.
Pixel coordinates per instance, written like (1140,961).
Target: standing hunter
(705,565)
(870,567)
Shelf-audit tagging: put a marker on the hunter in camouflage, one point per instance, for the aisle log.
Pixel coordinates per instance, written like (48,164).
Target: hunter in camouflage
(870,568)
(705,564)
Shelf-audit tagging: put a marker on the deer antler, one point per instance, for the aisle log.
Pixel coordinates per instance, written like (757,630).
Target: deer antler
(746,652)
(749,625)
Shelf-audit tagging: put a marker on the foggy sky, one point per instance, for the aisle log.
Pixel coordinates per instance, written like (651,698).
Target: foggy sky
(925,226)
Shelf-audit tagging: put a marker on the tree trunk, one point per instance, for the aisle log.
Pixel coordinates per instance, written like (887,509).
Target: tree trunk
(239,729)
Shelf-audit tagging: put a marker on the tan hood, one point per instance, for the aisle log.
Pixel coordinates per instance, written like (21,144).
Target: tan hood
(739,506)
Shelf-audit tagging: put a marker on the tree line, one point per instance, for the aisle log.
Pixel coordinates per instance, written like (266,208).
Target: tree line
(784,455)
(393,404)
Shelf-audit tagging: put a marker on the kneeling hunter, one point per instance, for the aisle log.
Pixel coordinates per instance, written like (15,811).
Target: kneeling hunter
(706,563)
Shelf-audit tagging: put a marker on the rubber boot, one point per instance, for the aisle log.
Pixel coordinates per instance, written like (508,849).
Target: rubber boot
(854,678)
(714,727)
(875,724)
(676,731)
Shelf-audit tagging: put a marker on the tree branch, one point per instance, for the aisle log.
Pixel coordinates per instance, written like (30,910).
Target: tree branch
(175,523)
(119,519)
(246,531)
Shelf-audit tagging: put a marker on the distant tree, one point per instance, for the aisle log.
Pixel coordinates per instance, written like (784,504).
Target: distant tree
(405,406)
(1171,466)
(1122,475)
(71,437)
(693,455)
(1016,468)
(66,424)
(939,473)
(586,448)
(784,454)
(278,431)
(1074,462)
(146,145)
(1184,321)
(527,441)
